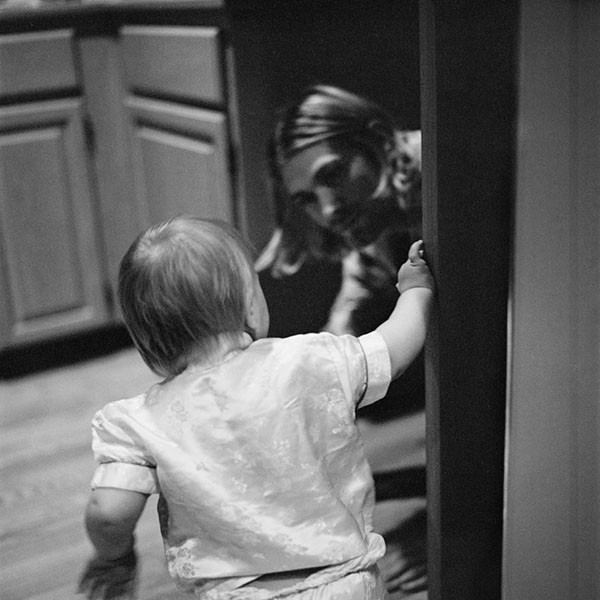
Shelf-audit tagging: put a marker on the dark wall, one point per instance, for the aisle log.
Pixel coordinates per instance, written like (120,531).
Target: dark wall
(370,48)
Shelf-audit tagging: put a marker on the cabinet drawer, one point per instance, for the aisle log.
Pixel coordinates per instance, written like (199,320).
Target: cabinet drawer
(38,62)
(173,62)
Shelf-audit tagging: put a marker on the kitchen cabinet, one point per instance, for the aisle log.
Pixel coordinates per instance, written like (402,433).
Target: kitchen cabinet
(180,151)
(50,265)
(155,97)
(101,134)
(115,115)
(180,160)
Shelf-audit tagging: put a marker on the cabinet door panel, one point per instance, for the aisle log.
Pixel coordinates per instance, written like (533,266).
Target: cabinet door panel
(51,277)
(181,62)
(37,62)
(181,160)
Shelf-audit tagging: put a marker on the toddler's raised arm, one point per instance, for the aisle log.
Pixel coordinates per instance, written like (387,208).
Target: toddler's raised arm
(405,330)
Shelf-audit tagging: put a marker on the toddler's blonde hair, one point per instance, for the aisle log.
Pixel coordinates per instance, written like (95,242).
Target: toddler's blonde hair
(182,284)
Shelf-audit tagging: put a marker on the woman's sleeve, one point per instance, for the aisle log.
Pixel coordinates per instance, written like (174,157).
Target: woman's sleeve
(121,460)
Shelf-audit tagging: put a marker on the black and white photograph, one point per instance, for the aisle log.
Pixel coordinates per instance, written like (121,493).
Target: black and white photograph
(299,300)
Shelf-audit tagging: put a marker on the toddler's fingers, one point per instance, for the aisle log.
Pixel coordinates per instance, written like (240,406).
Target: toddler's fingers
(415,252)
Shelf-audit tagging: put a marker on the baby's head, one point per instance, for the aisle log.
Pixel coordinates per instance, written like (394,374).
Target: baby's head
(183,286)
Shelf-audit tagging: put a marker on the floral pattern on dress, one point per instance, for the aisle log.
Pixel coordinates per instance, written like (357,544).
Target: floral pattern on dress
(258,460)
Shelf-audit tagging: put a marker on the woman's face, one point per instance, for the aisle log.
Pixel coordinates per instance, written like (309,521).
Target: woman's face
(331,182)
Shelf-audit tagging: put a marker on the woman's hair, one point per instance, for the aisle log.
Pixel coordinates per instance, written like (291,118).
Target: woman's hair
(330,113)
(182,283)
(326,112)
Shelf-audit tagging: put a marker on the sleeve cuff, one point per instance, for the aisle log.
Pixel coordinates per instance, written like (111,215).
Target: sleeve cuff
(126,476)
(379,369)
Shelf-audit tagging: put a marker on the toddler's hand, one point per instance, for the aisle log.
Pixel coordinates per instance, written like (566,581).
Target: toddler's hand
(415,272)
(110,579)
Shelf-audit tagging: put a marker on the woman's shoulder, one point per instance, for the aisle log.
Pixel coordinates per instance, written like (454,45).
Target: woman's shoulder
(409,141)
(407,151)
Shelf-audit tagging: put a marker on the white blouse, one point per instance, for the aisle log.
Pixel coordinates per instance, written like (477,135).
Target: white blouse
(258,460)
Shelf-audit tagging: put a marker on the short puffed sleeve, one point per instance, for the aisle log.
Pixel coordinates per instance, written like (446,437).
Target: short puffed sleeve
(122,461)
(379,367)
(363,366)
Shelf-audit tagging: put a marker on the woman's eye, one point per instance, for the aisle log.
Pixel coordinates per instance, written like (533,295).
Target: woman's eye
(303,198)
(332,174)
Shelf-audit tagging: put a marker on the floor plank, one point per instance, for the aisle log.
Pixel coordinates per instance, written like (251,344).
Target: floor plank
(46,465)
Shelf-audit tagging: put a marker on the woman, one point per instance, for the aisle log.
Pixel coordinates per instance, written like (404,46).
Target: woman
(346,184)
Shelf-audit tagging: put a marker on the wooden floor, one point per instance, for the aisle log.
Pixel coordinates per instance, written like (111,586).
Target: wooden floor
(46,465)
(45,469)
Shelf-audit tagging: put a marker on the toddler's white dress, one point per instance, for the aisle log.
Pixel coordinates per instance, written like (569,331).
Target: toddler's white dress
(260,467)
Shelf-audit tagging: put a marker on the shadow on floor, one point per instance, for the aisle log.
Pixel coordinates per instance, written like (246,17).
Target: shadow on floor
(68,350)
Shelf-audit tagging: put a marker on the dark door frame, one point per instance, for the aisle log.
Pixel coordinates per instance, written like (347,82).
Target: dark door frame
(468,100)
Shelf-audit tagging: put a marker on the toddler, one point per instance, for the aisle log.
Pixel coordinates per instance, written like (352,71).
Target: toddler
(251,442)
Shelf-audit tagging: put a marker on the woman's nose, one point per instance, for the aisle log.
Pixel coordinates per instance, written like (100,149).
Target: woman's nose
(329,203)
